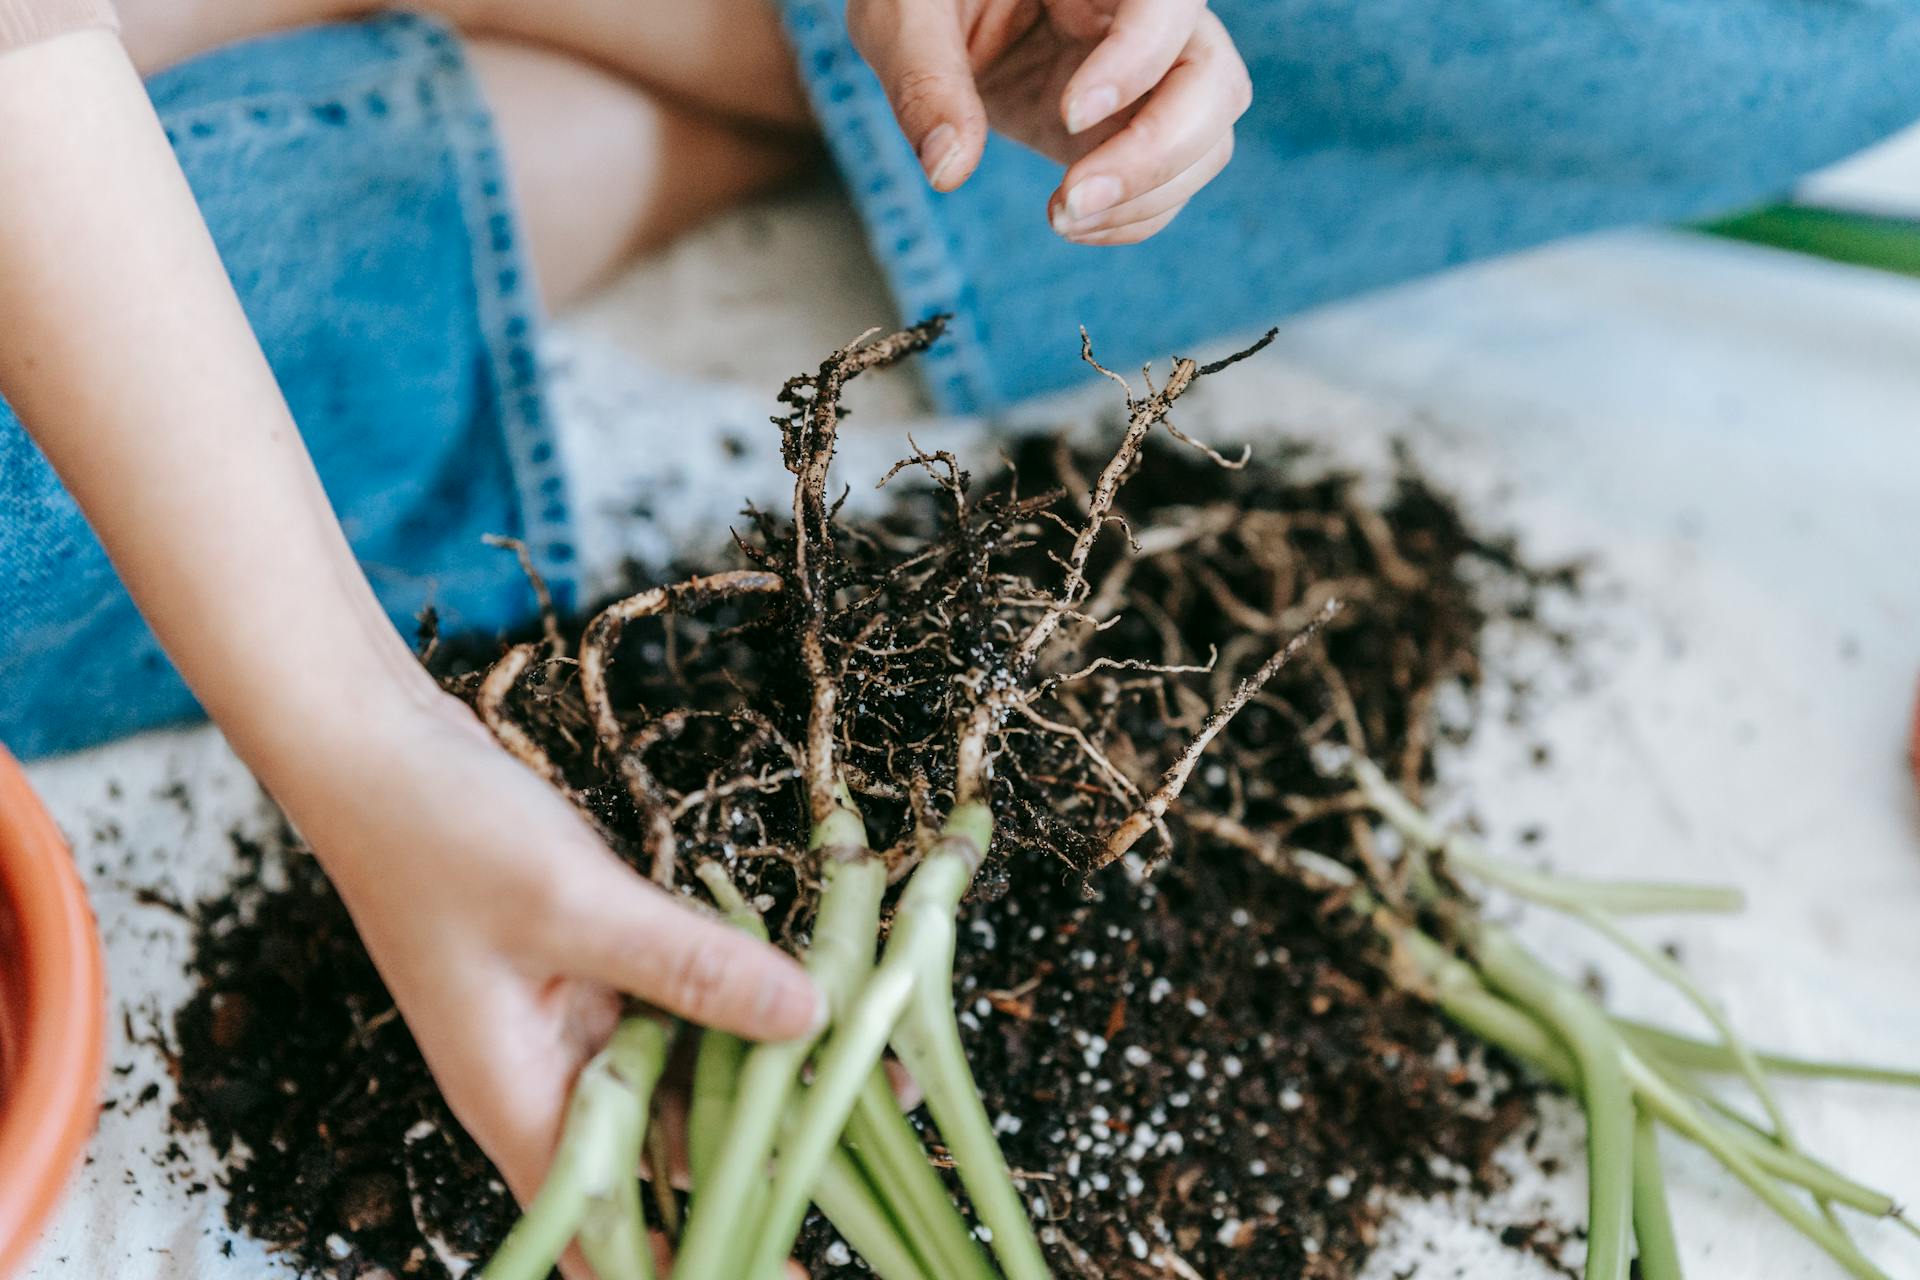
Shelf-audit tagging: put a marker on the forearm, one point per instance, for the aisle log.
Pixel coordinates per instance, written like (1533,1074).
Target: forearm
(125,352)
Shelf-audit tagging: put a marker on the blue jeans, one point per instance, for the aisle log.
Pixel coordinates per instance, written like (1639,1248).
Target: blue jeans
(1388,139)
(352,180)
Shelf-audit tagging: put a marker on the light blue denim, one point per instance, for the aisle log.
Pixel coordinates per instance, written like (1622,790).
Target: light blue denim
(353,182)
(1388,139)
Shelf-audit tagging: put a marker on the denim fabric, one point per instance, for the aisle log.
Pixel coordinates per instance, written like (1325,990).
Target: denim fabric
(350,177)
(1389,138)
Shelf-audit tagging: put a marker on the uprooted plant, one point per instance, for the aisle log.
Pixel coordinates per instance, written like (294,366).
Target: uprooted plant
(899,702)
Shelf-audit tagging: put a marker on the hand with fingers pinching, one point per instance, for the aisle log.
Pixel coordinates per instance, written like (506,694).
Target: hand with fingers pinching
(1138,98)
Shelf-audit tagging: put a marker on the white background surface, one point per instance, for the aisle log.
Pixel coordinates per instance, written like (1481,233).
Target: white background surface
(1734,434)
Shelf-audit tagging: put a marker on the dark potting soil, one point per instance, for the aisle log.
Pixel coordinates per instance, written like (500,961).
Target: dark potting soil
(1198,1067)
(292,1060)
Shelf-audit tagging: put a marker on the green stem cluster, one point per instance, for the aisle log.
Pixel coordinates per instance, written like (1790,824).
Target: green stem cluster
(764,1143)
(591,1193)
(1630,1078)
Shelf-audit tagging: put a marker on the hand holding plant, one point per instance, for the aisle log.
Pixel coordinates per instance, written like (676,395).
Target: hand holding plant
(507,932)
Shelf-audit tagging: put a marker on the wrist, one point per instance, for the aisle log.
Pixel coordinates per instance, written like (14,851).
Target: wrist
(317,742)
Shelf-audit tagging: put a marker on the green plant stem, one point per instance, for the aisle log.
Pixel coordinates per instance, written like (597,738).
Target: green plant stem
(1679,1112)
(1466,1000)
(716,1077)
(889,1149)
(1608,1098)
(1883,242)
(1827,1184)
(1658,1248)
(928,1041)
(613,1235)
(716,1066)
(1662,1093)
(1462,996)
(915,972)
(1737,1048)
(850,1054)
(545,1229)
(1619,897)
(1700,1055)
(592,1186)
(714,1243)
(853,1206)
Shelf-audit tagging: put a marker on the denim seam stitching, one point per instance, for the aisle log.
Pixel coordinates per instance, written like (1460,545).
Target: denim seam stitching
(895,202)
(503,282)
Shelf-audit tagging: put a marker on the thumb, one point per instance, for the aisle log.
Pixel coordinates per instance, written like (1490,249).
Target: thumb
(920,54)
(625,932)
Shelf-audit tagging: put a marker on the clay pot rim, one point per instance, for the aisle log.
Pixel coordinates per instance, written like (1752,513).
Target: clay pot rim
(52,1017)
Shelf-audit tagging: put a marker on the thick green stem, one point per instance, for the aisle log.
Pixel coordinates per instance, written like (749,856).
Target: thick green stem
(1677,978)
(716,1066)
(1791,1164)
(592,1186)
(850,1055)
(613,1235)
(1701,1055)
(1739,1159)
(714,1244)
(550,1222)
(1815,1176)
(1605,1093)
(1464,999)
(916,971)
(1653,1236)
(1662,1091)
(886,1146)
(928,1041)
(716,1078)
(853,1206)
(1619,897)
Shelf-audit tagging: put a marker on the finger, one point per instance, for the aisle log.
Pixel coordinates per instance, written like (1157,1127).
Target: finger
(1139,48)
(1167,198)
(917,49)
(621,930)
(1181,121)
(1131,234)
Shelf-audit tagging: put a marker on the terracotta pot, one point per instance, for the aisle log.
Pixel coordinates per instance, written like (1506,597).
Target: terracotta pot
(52,1017)
(1913,744)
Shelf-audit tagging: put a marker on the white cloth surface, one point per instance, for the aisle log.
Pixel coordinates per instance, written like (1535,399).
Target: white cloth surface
(1730,432)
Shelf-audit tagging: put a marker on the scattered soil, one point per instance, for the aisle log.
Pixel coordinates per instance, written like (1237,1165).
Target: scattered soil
(1198,1065)
(292,1060)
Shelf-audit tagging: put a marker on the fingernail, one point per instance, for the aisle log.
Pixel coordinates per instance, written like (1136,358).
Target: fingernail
(1091,107)
(939,153)
(1091,196)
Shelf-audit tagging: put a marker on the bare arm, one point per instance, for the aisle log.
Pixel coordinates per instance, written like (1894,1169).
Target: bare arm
(126,353)
(503,927)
